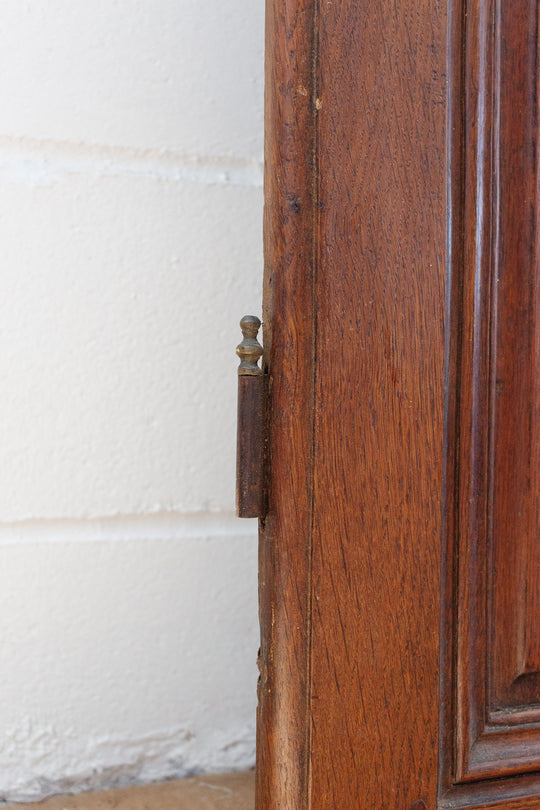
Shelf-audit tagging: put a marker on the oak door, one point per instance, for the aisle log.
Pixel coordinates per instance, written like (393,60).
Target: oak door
(400,556)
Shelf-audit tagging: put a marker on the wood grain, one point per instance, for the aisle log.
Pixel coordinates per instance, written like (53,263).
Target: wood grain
(371,696)
(378,405)
(491,685)
(353,317)
(515,379)
(285,535)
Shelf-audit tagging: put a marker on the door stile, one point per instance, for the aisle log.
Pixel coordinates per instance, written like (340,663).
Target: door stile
(285,544)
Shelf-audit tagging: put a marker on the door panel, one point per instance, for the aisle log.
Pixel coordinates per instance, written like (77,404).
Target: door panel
(400,557)
(493,678)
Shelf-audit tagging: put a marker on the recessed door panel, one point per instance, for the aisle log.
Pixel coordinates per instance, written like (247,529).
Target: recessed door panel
(492,682)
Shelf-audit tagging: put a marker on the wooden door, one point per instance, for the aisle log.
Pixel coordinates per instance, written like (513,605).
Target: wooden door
(400,556)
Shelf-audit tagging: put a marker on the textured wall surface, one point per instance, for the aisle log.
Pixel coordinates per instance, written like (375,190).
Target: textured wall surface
(130,222)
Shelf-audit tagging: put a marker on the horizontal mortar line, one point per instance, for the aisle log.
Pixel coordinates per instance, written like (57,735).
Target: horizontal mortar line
(159,526)
(39,161)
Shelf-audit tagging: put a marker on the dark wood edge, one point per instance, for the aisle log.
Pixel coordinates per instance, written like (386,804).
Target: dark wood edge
(455,162)
(283,721)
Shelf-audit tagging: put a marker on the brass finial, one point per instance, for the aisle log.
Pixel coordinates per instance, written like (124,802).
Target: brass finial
(250,349)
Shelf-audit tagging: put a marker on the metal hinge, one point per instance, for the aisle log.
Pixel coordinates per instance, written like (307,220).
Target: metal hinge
(250,442)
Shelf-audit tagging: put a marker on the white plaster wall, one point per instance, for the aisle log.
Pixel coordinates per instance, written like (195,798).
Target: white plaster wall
(130,225)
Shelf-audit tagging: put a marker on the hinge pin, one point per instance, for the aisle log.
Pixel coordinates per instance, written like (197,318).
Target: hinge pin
(250,350)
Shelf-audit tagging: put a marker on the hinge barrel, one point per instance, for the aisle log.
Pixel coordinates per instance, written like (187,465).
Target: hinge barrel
(251,424)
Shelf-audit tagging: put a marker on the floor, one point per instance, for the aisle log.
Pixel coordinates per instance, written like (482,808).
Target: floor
(234,791)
